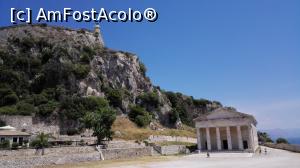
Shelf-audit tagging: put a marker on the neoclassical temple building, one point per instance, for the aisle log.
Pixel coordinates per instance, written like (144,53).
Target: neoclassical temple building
(225,129)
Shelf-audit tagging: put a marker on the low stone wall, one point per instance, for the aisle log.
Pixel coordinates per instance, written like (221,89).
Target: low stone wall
(25,158)
(122,153)
(29,162)
(48,151)
(288,147)
(171,149)
(160,138)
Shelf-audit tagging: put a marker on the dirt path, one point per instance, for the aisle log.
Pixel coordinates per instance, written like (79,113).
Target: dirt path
(274,159)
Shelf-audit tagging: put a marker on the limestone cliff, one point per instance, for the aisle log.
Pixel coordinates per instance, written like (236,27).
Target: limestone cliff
(44,62)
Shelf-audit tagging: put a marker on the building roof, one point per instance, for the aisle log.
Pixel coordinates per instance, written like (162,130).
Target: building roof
(8,127)
(13,133)
(225,113)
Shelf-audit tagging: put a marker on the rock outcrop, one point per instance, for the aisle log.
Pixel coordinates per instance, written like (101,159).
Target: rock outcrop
(45,61)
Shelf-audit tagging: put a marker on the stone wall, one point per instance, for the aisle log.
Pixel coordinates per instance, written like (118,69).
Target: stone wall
(288,147)
(32,125)
(25,158)
(48,151)
(111,154)
(161,138)
(171,149)
(29,162)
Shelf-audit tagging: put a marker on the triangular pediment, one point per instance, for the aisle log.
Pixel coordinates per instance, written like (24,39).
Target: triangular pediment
(222,114)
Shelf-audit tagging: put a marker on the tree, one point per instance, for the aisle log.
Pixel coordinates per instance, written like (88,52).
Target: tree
(41,142)
(281,141)
(101,122)
(264,137)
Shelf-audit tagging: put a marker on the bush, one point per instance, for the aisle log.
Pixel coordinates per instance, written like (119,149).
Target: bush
(39,99)
(201,102)
(25,109)
(143,69)
(14,145)
(149,99)
(8,110)
(81,71)
(4,144)
(139,116)
(115,97)
(10,99)
(76,107)
(281,141)
(93,103)
(143,120)
(72,131)
(47,109)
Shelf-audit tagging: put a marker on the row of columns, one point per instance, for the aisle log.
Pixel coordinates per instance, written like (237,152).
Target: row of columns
(218,138)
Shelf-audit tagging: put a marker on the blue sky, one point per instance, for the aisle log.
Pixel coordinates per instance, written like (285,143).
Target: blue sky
(245,54)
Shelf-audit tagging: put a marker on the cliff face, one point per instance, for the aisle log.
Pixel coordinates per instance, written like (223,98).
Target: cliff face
(44,62)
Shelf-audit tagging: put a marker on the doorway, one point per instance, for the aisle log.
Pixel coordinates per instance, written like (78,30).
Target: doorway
(245,144)
(225,145)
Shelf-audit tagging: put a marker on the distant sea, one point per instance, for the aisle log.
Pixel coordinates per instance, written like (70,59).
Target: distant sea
(294,141)
(292,135)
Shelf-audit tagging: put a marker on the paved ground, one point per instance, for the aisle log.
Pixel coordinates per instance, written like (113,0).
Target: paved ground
(274,159)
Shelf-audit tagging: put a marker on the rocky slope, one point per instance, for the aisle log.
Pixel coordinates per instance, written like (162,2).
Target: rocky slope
(42,66)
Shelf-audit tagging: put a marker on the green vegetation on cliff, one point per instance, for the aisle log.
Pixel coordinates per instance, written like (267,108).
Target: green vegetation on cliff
(52,72)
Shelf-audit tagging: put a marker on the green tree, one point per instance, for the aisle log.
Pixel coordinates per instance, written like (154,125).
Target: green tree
(100,122)
(41,142)
(281,141)
(264,137)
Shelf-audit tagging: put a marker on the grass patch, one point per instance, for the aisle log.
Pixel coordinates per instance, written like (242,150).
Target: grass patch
(129,131)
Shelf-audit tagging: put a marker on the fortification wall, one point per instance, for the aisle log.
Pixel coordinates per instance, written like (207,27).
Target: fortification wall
(32,125)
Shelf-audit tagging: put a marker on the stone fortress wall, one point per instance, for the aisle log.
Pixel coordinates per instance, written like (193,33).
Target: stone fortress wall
(32,125)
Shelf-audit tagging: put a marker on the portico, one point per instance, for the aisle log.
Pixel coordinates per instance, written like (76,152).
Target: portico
(226,129)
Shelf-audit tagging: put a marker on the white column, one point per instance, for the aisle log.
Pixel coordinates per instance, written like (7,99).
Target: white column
(218,138)
(199,139)
(239,135)
(208,139)
(250,138)
(229,138)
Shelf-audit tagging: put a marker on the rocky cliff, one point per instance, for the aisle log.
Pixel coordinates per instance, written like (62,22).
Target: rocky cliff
(43,66)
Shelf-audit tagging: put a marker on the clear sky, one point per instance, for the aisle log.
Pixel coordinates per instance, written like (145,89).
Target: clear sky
(245,54)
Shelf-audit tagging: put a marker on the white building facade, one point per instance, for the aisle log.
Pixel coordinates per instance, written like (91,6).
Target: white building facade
(225,129)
